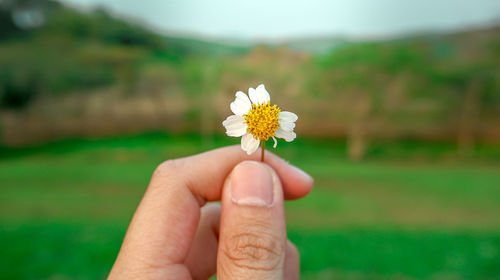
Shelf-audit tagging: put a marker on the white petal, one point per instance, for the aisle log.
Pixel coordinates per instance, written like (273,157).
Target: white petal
(287,135)
(241,104)
(259,95)
(252,95)
(235,126)
(288,126)
(262,93)
(288,116)
(275,142)
(249,144)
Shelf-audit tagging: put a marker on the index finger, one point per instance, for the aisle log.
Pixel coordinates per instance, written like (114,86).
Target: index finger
(205,173)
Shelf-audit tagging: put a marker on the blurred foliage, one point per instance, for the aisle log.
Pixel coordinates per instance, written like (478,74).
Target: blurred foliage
(76,50)
(421,87)
(71,50)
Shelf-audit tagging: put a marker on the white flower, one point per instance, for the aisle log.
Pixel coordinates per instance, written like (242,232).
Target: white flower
(256,120)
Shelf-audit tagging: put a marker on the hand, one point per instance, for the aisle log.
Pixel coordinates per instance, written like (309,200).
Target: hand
(169,237)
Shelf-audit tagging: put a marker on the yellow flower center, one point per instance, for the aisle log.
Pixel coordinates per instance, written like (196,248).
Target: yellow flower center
(262,121)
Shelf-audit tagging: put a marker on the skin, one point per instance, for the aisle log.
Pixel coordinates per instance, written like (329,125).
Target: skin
(176,234)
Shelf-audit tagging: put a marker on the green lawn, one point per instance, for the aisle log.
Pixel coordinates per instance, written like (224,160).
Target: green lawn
(410,211)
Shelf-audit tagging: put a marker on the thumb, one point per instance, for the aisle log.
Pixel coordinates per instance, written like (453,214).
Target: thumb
(252,241)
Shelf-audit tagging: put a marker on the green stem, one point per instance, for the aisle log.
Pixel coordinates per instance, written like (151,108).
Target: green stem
(263,144)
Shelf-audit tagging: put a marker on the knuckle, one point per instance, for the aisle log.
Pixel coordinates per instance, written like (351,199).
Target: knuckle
(168,167)
(255,249)
(167,172)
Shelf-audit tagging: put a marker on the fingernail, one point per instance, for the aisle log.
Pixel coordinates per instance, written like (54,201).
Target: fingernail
(252,184)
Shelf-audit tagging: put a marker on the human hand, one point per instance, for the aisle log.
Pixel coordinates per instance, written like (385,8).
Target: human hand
(174,236)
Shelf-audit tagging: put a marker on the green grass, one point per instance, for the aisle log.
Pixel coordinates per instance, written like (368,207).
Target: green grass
(410,211)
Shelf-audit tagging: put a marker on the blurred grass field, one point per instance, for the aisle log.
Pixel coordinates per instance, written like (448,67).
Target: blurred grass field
(412,210)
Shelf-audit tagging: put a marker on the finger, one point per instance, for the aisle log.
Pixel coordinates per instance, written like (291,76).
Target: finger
(202,258)
(205,173)
(252,241)
(292,262)
(162,229)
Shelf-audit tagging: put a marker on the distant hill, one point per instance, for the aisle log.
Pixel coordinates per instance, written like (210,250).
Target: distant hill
(313,45)
(208,47)
(23,19)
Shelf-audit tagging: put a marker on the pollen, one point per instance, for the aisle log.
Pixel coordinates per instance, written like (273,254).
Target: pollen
(262,120)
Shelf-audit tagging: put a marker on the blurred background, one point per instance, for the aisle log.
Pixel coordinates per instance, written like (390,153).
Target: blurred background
(399,123)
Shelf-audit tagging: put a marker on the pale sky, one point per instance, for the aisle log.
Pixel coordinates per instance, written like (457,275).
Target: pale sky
(280,19)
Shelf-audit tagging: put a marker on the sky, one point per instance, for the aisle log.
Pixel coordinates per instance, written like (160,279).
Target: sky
(264,20)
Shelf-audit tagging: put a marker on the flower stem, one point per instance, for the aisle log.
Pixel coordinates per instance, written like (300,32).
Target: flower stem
(263,144)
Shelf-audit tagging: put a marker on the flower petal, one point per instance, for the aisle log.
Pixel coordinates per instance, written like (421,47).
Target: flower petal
(259,95)
(249,144)
(275,142)
(288,126)
(235,126)
(288,116)
(287,135)
(262,93)
(253,95)
(241,104)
